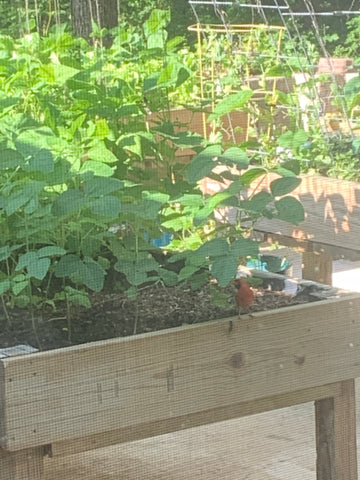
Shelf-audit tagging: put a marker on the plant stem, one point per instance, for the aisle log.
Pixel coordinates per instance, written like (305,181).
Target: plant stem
(6,312)
(34,327)
(68,319)
(136,257)
(33,320)
(68,315)
(136,318)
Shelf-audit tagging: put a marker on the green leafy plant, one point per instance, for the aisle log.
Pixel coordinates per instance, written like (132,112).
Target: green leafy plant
(88,184)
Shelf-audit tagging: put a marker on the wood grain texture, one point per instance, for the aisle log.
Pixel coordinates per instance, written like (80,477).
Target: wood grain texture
(336,435)
(325,439)
(317,266)
(23,465)
(206,417)
(332,213)
(123,383)
(345,432)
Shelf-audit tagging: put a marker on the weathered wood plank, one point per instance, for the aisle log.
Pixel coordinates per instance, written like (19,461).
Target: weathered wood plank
(335,252)
(89,389)
(336,435)
(196,419)
(325,443)
(317,266)
(23,465)
(332,213)
(345,432)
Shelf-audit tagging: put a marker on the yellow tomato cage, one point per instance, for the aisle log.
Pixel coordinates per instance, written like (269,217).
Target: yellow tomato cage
(251,34)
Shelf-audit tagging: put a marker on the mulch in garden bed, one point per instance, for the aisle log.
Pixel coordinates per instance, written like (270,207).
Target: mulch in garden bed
(115,315)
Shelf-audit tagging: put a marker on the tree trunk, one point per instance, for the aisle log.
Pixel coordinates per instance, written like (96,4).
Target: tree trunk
(103,12)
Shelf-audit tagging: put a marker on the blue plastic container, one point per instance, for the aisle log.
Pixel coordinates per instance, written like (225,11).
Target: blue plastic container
(270,263)
(162,241)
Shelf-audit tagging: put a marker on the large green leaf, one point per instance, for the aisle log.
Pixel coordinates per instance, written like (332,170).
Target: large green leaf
(50,251)
(98,186)
(98,168)
(4,286)
(37,267)
(158,20)
(289,168)
(56,73)
(42,161)
(258,202)
(284,185)
(18,286)
(68,265)
(217,199)
(7,103)
(77,297)
(244,247)
(188,139)
(290,210)
(252,174)
(20,197)
(107,206)
(214,248)
(224,269)
(68,202)
(10,159)
(352,87)
(5,252)
(137,271)
(62,73)
(203,163)
(86,271)
(187,271)
(150,205)
(235,155)
(356,145)
(173,75)
(178,223)
(149,209)
(293,140)
(191,200)
(93,275)
(169,278)
(232,102)
(30,142)
(99,153)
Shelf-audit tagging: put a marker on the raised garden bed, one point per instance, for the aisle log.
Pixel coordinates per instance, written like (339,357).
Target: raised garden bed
(332,220)
(96,394)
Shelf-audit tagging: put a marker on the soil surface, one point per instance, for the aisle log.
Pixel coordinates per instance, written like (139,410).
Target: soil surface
(115,315)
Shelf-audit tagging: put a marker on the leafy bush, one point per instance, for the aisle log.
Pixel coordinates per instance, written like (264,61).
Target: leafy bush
(88,184)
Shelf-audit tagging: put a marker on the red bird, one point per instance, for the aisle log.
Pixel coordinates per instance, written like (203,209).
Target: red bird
(244,295)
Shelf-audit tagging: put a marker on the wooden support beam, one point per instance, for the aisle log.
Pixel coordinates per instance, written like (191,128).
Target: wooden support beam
(336,435)
(124,382)
(197,419)
(22,465)
(345,432)
(317,266)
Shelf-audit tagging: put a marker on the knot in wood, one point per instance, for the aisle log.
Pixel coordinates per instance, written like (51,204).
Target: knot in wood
(237,360)
(299,359)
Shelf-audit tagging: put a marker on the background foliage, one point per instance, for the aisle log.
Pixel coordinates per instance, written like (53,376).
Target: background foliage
(13,17)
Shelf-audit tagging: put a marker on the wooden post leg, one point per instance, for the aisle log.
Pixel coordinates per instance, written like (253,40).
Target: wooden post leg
(336,435)
(317,266)
(23,465)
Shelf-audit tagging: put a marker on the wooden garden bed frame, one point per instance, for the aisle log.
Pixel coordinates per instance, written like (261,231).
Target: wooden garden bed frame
(90,396)
(76,399)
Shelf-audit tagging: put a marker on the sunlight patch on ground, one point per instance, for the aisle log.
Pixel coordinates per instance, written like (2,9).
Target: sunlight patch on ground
(346,274)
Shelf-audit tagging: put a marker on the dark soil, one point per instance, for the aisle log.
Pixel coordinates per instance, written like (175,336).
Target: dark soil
(115,315)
